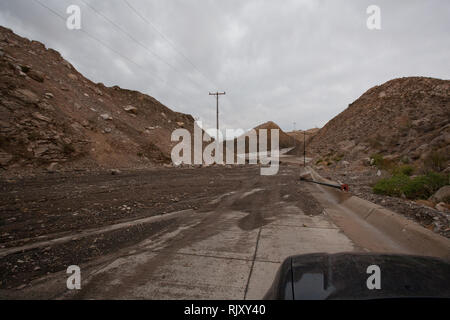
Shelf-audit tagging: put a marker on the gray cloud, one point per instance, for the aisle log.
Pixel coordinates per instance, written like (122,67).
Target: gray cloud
(286,61)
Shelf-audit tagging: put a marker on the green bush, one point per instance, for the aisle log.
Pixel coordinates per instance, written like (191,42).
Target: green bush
(420,187)
(377,159)
(407,170)
(392,186)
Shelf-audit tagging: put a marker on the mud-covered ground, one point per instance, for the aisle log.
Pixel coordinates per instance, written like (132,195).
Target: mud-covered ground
(51,206)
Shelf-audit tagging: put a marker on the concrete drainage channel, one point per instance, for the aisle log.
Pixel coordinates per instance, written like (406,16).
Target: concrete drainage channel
(376,228)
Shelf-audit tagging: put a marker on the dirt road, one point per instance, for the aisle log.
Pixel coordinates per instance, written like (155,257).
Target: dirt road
(227,232)
(229,209)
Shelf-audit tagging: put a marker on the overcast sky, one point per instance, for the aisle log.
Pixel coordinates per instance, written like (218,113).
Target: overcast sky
(287,61)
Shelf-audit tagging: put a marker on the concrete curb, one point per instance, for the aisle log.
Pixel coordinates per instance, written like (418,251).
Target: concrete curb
(405,233)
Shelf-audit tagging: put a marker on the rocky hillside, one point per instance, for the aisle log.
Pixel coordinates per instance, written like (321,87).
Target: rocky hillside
(406,119)
(52,116)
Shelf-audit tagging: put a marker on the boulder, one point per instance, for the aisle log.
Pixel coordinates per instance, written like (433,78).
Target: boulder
(72,76)
(66,64)
(443,207)
(426,203)
(98,91)
(53,167)
(26,96)
(36,75)
(106,116)
(442,195)
(115,172)
(39,116)
(130,109)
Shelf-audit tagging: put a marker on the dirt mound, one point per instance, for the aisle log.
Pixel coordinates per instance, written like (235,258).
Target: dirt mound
(405,118)
(51,115)
(285,141)
(301,136)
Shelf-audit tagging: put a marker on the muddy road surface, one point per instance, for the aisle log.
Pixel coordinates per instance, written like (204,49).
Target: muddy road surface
(52,221)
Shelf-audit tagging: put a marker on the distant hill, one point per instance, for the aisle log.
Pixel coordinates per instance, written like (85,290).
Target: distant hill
(301,136)
(298,134)
(285,141)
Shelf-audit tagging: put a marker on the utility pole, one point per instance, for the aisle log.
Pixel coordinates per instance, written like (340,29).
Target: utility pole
(294,138)
(217,94)
(304,148)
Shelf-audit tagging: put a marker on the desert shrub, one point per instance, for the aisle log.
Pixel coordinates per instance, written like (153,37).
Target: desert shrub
(392,186)
(435,161)
(420,187)
(407,170)
(377,158)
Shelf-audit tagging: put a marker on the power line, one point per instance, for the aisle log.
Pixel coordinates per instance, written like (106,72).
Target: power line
(107,46)
(133,38)
(173,45)
(148,22)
